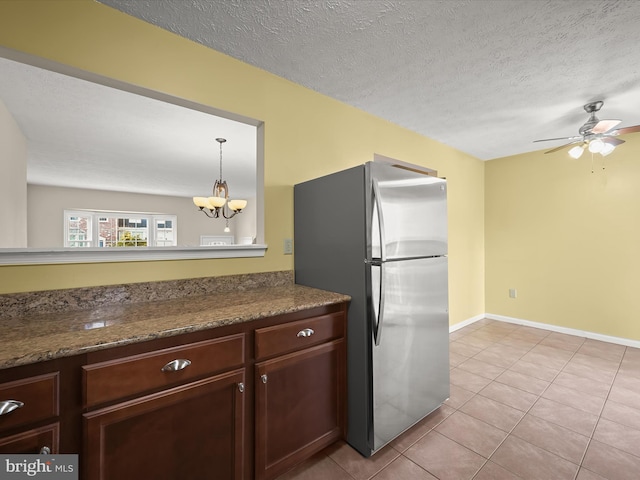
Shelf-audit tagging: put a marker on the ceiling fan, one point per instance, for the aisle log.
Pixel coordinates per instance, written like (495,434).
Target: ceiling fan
(599,136)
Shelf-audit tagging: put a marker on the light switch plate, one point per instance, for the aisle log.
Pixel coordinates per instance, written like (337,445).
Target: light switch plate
(287,246)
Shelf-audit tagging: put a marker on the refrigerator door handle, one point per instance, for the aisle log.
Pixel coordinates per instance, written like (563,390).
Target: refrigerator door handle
(377,326)
(378,202)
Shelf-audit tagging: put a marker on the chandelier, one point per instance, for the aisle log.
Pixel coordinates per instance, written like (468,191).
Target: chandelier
(219,204)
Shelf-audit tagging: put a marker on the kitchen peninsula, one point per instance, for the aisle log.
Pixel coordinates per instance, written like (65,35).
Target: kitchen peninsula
(169,379)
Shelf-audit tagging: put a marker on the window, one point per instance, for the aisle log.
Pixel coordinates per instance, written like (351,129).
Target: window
(119,229)
(78,229)
(165,235)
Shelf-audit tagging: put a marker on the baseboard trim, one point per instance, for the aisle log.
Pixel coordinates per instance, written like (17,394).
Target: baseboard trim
(555,328)
(469,321)
(546,326)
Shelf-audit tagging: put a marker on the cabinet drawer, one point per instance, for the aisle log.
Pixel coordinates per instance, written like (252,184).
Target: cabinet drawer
(37,395)
(125,377)
(38,440)
(289,337)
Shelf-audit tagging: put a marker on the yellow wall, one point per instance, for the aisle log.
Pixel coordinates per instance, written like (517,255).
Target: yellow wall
(306,135)
(566,238)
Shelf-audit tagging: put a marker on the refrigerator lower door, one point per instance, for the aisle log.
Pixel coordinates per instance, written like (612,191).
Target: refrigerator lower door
(411,357)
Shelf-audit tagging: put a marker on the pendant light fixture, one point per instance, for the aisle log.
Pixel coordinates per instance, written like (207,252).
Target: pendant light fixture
(219,204)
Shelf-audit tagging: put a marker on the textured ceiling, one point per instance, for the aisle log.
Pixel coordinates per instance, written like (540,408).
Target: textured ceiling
(485,76)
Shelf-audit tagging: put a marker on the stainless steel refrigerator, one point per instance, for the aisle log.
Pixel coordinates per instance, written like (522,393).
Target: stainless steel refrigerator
(378,233)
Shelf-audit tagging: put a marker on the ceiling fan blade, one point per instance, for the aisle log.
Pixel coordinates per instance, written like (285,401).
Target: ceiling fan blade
(612,141)
(564,146)
(622,131)
(561,138)
(604,126)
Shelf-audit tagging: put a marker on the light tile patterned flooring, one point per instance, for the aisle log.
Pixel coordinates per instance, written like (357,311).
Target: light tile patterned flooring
(525,403)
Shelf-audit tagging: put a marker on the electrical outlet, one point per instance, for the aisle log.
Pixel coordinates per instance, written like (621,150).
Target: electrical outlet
(287,246)
(513,293)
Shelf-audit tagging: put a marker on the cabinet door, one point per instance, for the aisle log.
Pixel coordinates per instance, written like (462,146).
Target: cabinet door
(36,440)
(192,431)
(300,400)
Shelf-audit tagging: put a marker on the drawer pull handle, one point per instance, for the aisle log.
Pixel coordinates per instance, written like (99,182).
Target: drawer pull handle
(175,365)
(264,378)
(307,332)
(241,387)
(9,406)
(45,451)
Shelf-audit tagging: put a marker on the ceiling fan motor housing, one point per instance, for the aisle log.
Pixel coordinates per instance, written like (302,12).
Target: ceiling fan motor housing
(591,109)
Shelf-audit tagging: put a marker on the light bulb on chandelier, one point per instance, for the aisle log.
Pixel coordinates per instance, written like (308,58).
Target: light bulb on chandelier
(219,204)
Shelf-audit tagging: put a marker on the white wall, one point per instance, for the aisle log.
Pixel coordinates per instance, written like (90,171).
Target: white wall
(47,205)
(13,182)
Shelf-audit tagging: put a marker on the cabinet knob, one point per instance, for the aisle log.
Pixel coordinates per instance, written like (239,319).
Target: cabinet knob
(8,406)
(45,450)
(241,387)
(264,378)
(175,365)
(307,332)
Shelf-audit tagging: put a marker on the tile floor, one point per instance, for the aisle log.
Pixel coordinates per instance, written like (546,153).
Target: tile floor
(525,404)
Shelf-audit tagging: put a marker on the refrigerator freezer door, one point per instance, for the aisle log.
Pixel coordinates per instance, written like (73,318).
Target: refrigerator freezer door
(411,362)
(409,213)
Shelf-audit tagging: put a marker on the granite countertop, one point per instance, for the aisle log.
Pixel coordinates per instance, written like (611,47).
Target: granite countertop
(44,336)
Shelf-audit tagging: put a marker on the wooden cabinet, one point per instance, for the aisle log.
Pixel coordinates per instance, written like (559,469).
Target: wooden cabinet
(191,431)
(237,402)
(194,430)
(299,396)
(25,405)
(36,440)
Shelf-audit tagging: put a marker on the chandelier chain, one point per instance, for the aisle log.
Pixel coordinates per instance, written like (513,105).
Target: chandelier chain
(220,160)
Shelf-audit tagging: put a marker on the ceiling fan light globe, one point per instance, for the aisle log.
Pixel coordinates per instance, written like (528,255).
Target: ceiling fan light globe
(596,146)
(607,149)
(576,152)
